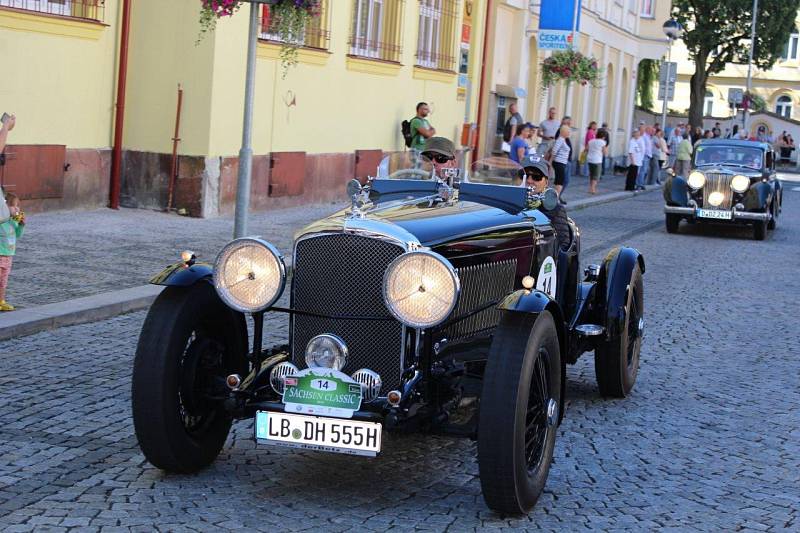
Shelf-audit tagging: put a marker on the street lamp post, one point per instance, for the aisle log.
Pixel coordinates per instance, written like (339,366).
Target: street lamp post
(672,29)
(750,64)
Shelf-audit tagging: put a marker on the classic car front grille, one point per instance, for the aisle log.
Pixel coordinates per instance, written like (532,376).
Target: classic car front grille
(481,285)
(341,274)
(716,182)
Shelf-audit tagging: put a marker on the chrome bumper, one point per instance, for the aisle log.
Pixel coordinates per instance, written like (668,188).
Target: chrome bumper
(735,215)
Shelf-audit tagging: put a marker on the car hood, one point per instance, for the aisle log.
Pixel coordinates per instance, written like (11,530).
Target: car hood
(425,221)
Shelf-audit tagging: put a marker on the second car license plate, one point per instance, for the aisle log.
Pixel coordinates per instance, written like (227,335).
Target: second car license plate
(317,433)
(713,213)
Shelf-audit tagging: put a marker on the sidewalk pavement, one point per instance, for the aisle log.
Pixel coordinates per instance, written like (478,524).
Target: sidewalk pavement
(82,266)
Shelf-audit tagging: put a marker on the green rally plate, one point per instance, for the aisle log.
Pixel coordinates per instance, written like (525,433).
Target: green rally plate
(322,391)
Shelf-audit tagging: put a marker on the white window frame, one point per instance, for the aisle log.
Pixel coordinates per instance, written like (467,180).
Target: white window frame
(430,33)
(783,106)
(368,45)
(792,48)
(52,7)
(652,12)
(708,104)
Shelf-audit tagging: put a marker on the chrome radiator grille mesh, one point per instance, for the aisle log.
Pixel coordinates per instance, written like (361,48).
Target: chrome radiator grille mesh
(341,274)
(716,182)
(480,285)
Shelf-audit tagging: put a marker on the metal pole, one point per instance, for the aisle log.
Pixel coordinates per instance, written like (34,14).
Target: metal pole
(246,153)
(666,87)
(750,62)
(574,27)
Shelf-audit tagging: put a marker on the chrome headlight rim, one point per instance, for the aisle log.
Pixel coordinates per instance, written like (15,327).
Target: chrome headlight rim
(695,186)
(453,277)
(740,178)
(223,293)
(340,345)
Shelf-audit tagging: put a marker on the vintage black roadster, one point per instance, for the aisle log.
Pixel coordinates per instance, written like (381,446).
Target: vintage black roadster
(433,303)
(731,182)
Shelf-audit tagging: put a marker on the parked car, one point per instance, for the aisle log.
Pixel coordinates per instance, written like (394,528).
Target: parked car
(431,304)
(731,182)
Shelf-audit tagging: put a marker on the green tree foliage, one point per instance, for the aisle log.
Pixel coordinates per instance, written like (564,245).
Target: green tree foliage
(723,27)
(646,76)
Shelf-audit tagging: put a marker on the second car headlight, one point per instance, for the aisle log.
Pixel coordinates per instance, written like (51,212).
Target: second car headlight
(249,274)
(421,289)
(696,179)
(740,183)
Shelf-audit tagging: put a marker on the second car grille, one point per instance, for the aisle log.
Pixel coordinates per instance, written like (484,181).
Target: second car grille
(341,274)
(718,183)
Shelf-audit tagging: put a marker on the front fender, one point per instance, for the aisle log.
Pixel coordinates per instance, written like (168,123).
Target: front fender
(615,276)
(533,303)
(181,275)
(758,196)
(676,191)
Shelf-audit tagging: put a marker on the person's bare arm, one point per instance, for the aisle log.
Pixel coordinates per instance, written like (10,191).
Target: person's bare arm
(6,126)
(427,132)
(520,153)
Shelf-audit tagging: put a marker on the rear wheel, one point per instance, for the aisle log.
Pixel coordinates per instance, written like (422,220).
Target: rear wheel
(672,221)
(519,412)
(616,361)
(189,343)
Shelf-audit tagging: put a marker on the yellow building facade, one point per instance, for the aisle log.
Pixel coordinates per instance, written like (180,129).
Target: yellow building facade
(364,69)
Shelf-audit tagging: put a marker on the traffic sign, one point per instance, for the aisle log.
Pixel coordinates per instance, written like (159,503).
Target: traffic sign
(667,75)
(735,96)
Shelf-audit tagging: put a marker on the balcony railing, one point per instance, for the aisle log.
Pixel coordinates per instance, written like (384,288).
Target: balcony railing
(80,9)
(316,35)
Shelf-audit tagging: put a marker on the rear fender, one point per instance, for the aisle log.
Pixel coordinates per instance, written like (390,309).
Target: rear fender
(615,276)
(182,275)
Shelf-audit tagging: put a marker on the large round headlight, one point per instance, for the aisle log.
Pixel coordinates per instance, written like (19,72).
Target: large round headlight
(740,183)
(326,351)
(716,198)
(696,179)
(249,275)
(420,289)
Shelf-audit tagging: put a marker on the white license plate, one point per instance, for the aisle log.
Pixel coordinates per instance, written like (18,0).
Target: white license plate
(713,213)
(316,433)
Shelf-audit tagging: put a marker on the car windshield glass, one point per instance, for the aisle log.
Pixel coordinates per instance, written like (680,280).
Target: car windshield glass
(496,171)
(405,165)
(729,155)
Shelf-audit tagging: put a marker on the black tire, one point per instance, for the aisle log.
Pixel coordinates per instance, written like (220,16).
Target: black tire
(760,230)
(189,342)
(616,361)
(519,412)
(672,222)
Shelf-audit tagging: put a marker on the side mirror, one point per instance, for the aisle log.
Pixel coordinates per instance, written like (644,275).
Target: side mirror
(550,199)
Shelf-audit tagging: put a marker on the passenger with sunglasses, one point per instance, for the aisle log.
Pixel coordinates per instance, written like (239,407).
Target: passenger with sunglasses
(536,175)
(441,152)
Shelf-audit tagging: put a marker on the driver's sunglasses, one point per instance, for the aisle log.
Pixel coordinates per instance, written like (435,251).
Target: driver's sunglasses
(535,176)
(439,158)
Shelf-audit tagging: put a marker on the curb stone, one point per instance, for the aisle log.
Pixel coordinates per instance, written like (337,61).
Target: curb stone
(110,304)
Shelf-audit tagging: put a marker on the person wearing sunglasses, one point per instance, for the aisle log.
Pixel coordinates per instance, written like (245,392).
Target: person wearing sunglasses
(536,175)
(441,152)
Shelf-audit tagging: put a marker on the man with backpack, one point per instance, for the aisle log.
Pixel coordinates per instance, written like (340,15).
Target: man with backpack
(514,121)
(418,130)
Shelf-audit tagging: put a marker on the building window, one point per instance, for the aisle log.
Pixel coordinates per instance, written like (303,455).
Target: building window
(783,106)
(317,34)
(436,41)
(648,8)
(83,9)
(377,29)
(708,104)
(790,50)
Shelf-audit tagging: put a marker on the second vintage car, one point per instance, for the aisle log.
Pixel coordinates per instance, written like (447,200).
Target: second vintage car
(428,305)
(731,182)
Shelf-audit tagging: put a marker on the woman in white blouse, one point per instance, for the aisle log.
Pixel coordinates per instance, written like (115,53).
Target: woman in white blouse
(560,158)
(596,149)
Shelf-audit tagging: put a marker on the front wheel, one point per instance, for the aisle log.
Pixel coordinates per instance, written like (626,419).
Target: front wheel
(760,230)
(773,221)
(189,343)
(519,412)
(616,361)
(672,223)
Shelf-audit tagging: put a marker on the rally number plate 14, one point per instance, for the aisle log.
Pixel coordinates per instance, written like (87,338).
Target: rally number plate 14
(713,213)
(316,433)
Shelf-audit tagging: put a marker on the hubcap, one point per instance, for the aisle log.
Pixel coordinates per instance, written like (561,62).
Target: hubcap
(552,413)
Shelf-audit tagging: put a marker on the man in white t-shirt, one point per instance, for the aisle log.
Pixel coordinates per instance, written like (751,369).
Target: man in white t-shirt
(548,131)
(635,157)
(647,152)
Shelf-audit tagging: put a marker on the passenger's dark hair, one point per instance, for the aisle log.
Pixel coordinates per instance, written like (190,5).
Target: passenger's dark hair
(421,104)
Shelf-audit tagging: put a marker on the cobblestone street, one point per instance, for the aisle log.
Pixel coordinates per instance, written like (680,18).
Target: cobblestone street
(708,440)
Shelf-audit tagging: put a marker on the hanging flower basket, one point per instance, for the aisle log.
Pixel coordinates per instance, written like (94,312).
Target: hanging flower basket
(570,66)
(288,20)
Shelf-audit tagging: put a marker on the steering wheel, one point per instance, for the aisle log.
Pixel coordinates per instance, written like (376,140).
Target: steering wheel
(424,174)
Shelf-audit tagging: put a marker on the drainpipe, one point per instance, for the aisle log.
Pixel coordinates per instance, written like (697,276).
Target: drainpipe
(483,74)
(116,155)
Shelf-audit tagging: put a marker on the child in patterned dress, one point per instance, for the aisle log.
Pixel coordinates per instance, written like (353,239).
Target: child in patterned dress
(10,231)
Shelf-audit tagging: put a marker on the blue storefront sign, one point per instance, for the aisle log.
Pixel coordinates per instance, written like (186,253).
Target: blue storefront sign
(558,14)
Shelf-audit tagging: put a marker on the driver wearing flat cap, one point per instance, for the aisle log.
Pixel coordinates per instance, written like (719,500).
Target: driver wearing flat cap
(536,176)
